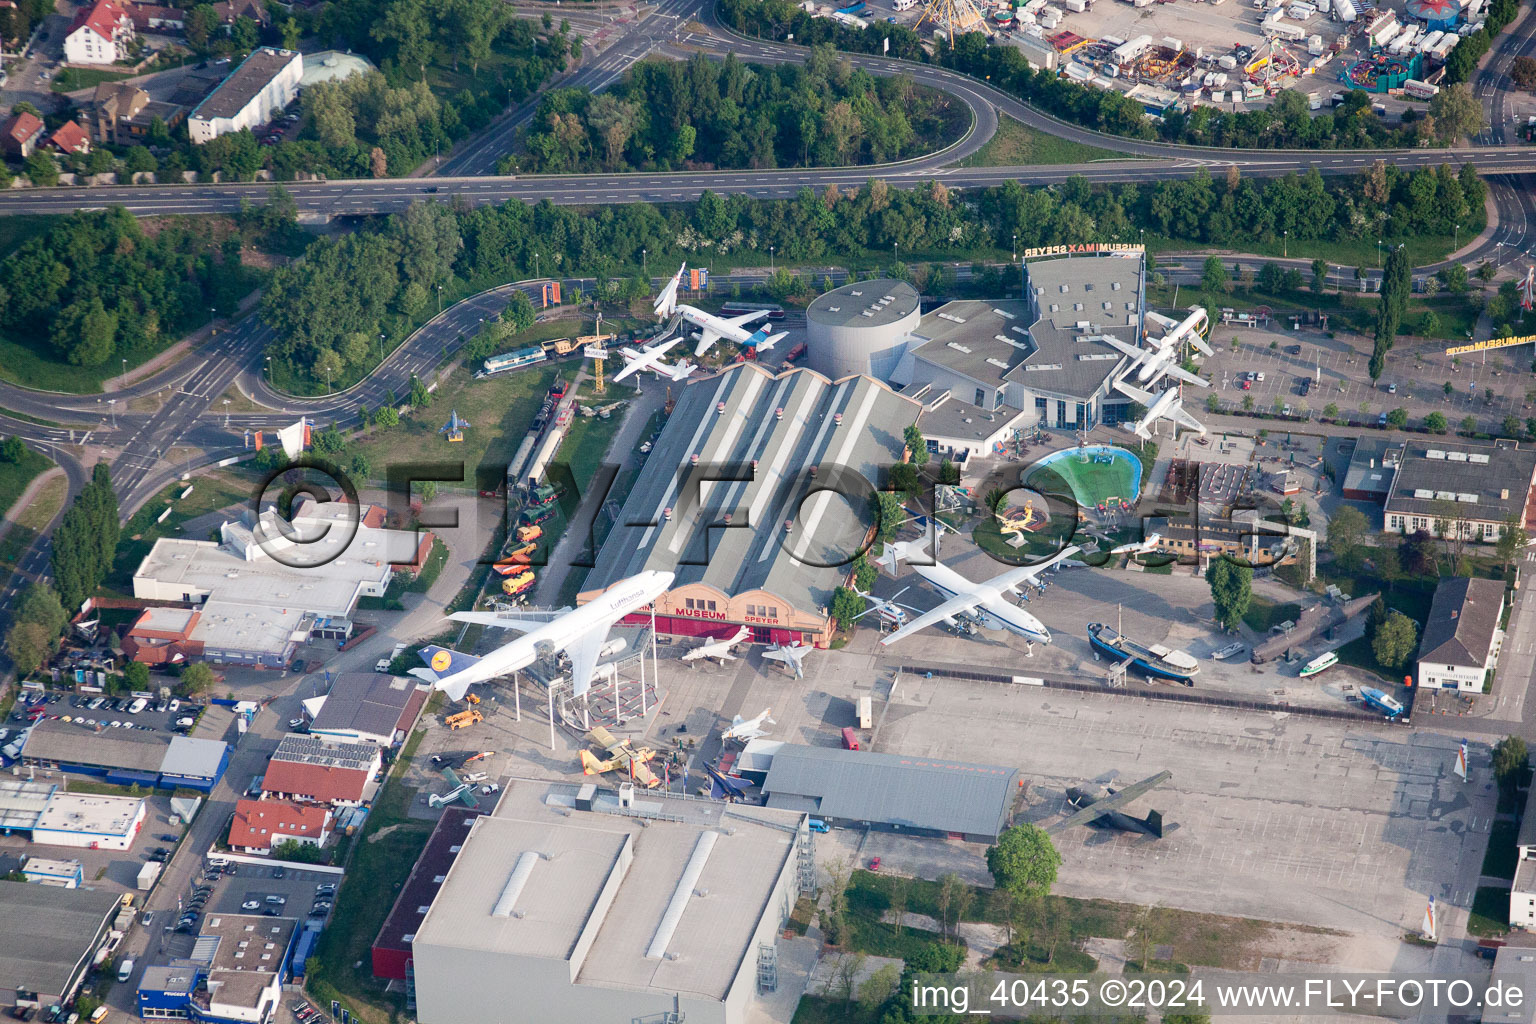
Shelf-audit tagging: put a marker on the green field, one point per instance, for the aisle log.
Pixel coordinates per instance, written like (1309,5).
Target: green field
(1017,144)
(15,476)
(1094,482)
(1490,912)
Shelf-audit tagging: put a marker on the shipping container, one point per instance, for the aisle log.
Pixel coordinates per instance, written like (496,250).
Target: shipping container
(1419,90)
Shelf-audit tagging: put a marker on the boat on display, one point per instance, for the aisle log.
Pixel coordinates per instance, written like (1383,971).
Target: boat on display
(1153,659)
(1318,664)
(1229,651)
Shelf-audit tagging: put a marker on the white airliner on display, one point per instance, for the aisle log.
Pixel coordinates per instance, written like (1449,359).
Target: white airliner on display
(985,601)
(718,650)
(744,729)
(1176,332)
(1161,360)
(1167,405)
(582,633)
(637,359)
(711,327)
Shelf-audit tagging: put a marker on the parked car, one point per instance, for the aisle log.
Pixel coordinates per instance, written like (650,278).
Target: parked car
(251,905)
(166,837)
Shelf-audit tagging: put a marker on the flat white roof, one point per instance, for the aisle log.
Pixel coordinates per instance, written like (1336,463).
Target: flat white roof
(712,900)
(89,814)
(51,867)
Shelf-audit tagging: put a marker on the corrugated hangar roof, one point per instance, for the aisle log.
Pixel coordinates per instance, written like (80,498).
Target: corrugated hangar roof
(48,933)
(772,428)
(895,789)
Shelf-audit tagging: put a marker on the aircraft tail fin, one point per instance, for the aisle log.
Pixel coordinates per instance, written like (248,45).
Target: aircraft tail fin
(590,765)
(1155,823)
(666,301)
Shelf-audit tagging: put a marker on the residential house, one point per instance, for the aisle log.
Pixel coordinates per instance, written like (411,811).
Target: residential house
(20,134)
(260,825)
(70,139)
(1461,641)
(100,34)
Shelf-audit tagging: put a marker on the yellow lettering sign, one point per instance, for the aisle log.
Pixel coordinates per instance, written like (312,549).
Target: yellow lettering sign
(1082,249)
(1491,343)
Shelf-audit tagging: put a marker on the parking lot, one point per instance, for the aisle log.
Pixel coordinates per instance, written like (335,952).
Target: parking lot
(172,716)
(235,888)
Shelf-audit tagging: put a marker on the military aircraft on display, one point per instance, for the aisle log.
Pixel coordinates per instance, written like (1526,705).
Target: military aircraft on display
(582,633)
(621,757)
(744,729)
(637,359)
(1167,405)
(984,601)
(718,650)
(455,427)
(1099,807)
(711,327)
(724,787)
(791,656)
(462,790)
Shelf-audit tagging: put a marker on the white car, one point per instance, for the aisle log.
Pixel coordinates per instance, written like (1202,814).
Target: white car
(115,724)
(251,905)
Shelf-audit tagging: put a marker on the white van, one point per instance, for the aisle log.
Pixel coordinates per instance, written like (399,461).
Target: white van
(125,970)
(139,704)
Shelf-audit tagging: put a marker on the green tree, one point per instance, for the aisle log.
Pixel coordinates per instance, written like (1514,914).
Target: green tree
(387,417)
(362,467)
(13,450)
(1398,418)
(136,675)
(1512,541)
(1395,640)
(196,679)
(41,168)
(1231,590)
(888,515)
(1435,423)
(1024,862)
(846,606)
(28,645)
(1509,760)
(1214,277)
(40,604)
(519,312)
(917,445)
(420,396)
(1319,276)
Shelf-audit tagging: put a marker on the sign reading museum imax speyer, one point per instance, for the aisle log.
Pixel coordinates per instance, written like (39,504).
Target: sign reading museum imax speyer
(1083,249)
(1491,343)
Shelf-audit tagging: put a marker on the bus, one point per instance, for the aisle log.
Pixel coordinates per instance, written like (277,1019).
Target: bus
(735,308)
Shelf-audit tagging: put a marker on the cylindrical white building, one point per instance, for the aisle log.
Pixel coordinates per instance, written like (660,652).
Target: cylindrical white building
(861,327)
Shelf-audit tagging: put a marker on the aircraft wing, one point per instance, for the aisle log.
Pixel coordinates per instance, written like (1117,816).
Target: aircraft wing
(1144,397)
(643,773)
(522,621)
(601,737)
(1113,802)
(1179,373)
(1127,348)
(948,610)
(1184,418)
(746,318)
(584,652)
(707,337)
(468,798)
(1026,573)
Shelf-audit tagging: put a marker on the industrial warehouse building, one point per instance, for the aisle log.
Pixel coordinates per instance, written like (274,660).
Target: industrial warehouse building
(49,937)
(366,707)
(235,973)
(391,952)
(259,594)
(1475,488)
(893,792)
(765,547)
(127,757)
(555,913)
(88,821)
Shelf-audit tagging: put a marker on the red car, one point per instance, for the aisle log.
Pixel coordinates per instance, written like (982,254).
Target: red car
(874,863)
(1247,385)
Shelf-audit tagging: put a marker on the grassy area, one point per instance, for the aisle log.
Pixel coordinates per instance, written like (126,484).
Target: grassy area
(1017,144)
(1263,613)
(15,230)
(380,862)
(498,408)
(1490,912)
(1356,252)
(15,476)
(1499,861)
(1209,940)
(31,521)
(210,493)
(71,79)
(830,1010)
(74,785)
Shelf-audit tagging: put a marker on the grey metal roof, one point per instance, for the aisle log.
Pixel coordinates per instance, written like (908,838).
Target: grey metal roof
(1527,835)
(1514,968)
(894,789)
(865,303)
(1462,620)
(364,702)
(49,931)
(784,423)
(245,82)
(1372,465)
(192,757)
(1499,475)
(1037,342)
(69,742)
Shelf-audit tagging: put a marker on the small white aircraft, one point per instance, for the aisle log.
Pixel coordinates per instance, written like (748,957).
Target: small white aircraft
(582,633)
(985,601)
(718,650)
(890,613)
(1139,547)
(744,729)
(1176,332)
(637,359)
(791,655)
(1167,405)
(711,327)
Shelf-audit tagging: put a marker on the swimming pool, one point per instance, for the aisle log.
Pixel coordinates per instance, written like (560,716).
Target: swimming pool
(1095,481)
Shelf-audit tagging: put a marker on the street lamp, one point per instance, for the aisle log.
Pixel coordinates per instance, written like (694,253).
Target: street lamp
(1015,246)
(125,366)
(112,404)
(535,266)
(226,414)
(1285,244)
(1378,254)
(1456,239)
(381,346)
(439,299)
(770,259)
(645,268)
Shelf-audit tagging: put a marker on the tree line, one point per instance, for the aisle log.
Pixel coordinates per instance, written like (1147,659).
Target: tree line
(328,306)
(1286,123)
(85,540)
(702,114)
(96,286)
